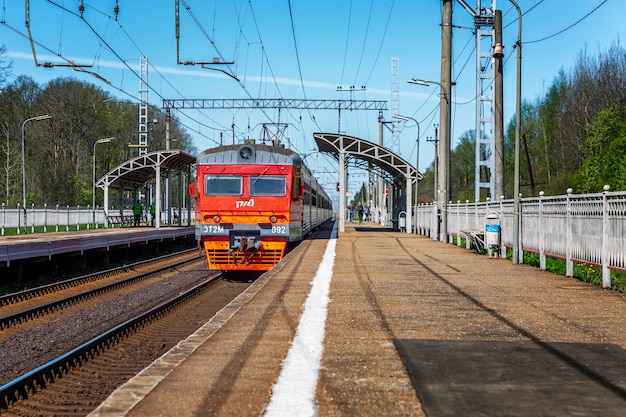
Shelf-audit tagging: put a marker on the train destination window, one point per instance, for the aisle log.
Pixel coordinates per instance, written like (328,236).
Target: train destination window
(267,186)
(222,185)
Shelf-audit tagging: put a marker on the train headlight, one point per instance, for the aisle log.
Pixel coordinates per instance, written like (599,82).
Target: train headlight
(216,218)
(273,219)
(245,152)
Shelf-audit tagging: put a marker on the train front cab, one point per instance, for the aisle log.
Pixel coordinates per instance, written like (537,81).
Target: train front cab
(247,215)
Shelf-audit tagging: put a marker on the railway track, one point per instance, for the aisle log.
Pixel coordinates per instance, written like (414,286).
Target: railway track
(79,376)
(55,287)
(20,307)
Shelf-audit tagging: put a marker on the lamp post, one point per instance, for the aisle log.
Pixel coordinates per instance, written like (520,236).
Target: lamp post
(518,126)
(37,118)
(444,150)
(417,160)
(93,190)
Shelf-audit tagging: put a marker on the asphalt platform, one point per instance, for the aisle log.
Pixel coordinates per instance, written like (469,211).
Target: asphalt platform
(414,327)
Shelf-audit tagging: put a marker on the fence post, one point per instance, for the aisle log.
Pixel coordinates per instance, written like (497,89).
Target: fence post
(45,217)
(606,228)
(467,241)
(434,222)
(569,265)
(57,226)
(476,213)
(4,216)
(32,229)
(502,245)
(542,237)
(520,238)
(19,220)
(67,225)
(77,217)
(458,222)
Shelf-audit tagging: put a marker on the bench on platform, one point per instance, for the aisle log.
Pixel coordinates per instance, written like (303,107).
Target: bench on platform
(476,238)
(126,220)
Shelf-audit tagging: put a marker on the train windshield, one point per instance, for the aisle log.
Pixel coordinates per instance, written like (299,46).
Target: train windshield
(222,185)
(267,186)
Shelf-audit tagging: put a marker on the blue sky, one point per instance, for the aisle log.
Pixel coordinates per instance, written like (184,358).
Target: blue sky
(302,49)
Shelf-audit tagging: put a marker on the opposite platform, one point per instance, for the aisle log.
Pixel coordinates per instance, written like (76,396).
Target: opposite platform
(413,327)
(49,244)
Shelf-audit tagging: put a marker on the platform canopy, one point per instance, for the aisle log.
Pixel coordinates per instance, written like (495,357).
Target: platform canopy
(138,171)
(141,169)
(366,151)
(392,167)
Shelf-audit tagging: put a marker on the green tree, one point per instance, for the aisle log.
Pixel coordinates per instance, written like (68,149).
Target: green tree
(4,67)
(16,105)
(59,152)
(462,168)
(604,149)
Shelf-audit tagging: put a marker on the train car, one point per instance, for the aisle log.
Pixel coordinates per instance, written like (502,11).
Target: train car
(253,201)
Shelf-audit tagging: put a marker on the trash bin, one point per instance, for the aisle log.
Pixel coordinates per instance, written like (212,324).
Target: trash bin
(492,231)
(402,221)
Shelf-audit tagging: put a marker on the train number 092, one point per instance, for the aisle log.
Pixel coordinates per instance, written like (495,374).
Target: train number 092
(279,230)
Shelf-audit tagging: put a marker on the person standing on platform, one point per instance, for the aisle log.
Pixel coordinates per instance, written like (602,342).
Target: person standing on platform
(153,212)
(351,212)
(137,212)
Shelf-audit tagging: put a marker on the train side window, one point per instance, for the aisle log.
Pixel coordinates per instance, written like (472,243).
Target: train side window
(267,186)
(297,191)
(222,185)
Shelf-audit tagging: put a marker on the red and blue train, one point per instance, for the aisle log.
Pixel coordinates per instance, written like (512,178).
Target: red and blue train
(253,202)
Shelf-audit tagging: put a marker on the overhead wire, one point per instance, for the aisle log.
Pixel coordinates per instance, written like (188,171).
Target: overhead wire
(570,26)
(125,62)
(345,49)
(381,43)
(367,26)
(295,44)
(266,60)
(367,31)
(297,52)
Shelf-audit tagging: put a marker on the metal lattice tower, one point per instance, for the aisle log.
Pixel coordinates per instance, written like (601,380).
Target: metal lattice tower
(395,104)
(143,106)
(484,21)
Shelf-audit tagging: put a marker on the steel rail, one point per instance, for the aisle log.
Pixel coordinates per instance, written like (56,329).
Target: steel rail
(28,294)
(41,310)
(46,374)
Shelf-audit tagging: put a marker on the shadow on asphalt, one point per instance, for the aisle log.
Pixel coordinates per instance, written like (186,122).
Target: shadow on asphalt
(494,378)
(374,229)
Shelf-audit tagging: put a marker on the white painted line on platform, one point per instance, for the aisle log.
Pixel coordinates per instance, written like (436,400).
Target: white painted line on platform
(294,392)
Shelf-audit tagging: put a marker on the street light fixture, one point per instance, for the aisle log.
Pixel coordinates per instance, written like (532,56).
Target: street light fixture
(36,118)
(417,160)
(427,83)
(93,190)
(421,82)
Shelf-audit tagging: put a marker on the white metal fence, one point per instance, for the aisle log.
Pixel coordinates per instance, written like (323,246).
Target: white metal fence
(585,228)
(64,218)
